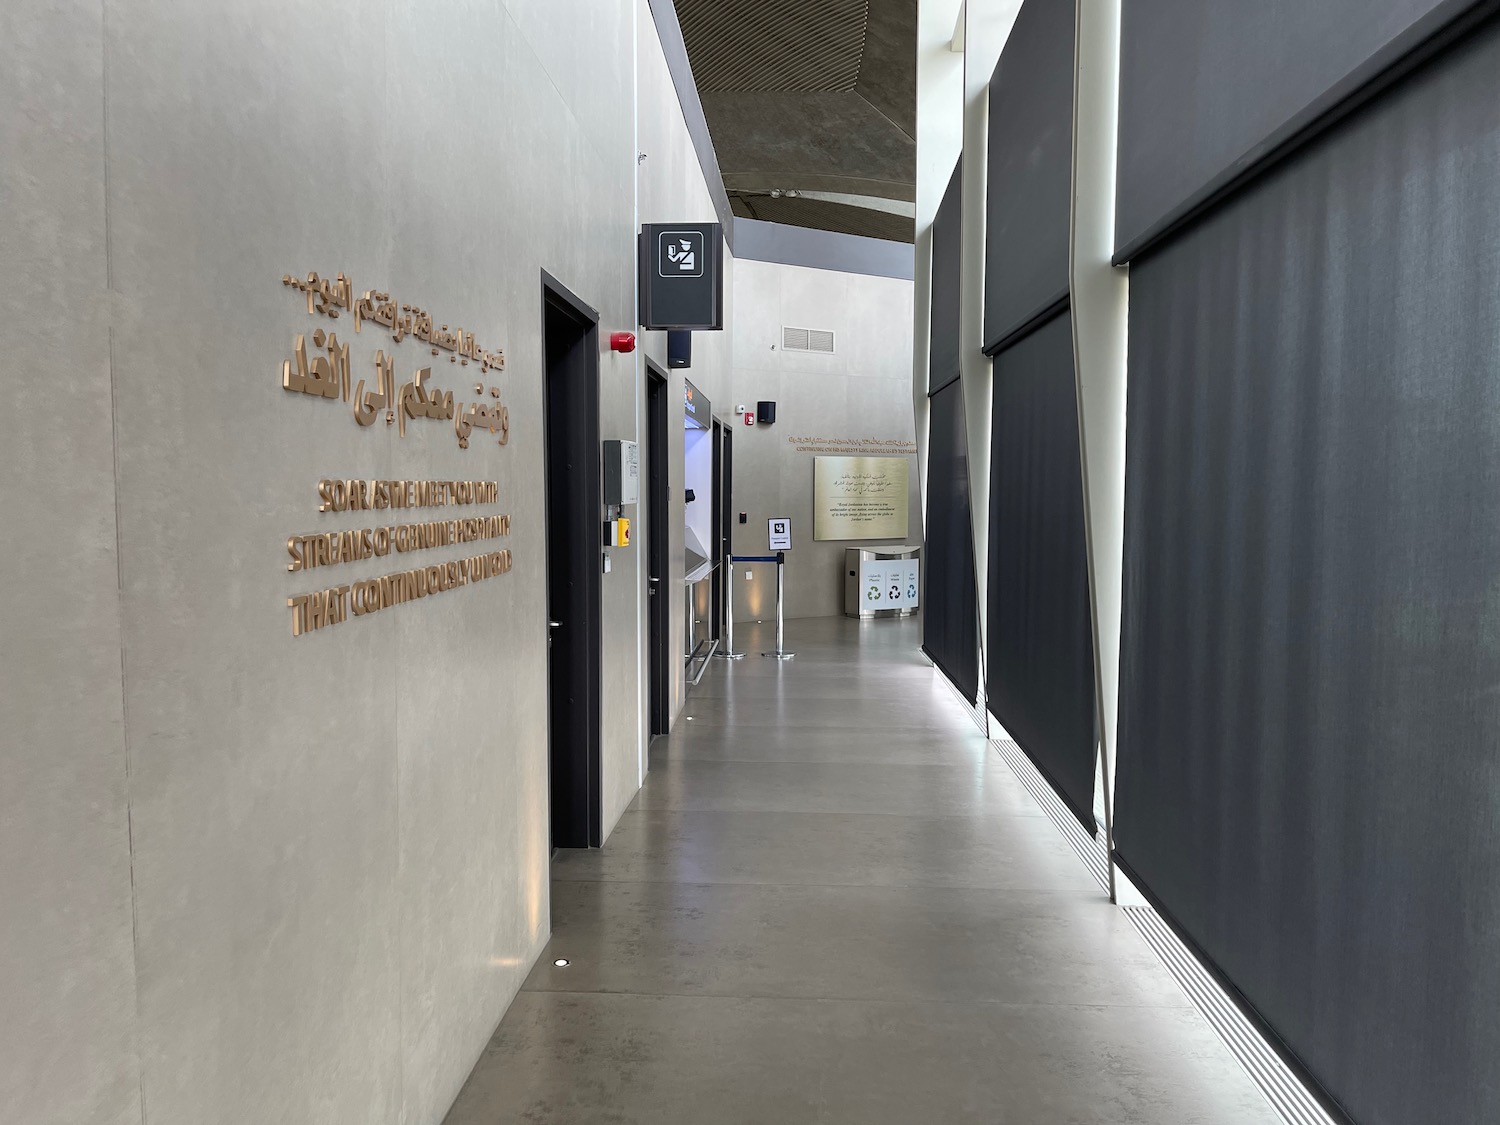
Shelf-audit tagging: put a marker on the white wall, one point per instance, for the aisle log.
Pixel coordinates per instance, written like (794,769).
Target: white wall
(251,877)
(861,391)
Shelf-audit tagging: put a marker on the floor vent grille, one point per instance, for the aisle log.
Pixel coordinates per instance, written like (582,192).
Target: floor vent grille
(818,340)
(967,704)
(1266,1068)
(1090,849)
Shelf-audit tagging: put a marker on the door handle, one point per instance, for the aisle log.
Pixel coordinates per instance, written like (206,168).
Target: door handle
(554,624)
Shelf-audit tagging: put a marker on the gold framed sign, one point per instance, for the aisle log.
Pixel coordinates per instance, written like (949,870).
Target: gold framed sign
(860,497)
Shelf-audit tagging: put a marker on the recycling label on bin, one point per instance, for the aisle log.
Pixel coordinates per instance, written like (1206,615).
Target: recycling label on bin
(889,583)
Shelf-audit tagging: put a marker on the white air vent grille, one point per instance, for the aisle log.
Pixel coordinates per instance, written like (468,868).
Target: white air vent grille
(818,340)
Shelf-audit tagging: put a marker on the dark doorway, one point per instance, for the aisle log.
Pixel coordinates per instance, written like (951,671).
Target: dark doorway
(724,522)
(658,391)
(716,627)
(575,549)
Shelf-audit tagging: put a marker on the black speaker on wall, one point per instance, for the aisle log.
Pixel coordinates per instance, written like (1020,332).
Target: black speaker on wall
(679,348)
(765,412)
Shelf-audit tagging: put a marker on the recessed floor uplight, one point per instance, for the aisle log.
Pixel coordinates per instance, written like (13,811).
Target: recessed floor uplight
(689,718)
(561,962)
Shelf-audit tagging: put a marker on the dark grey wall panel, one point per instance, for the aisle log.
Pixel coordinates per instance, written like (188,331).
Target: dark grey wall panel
(1209,87)
(950,600)
(947,250)
(1030,170)
(1041,641)
(1309,767)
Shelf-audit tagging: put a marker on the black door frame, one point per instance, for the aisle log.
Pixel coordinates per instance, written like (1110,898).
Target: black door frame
(575,548)
(658,531)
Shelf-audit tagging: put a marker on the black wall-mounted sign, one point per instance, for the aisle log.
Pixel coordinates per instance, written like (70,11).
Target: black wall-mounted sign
(682,276)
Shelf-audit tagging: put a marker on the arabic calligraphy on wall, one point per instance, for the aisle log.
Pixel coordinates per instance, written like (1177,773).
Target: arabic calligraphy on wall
(325,373)
(860,497)
(326,298)
(865,445)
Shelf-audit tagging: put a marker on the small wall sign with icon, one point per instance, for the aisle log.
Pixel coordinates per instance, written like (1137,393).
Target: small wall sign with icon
(779,530)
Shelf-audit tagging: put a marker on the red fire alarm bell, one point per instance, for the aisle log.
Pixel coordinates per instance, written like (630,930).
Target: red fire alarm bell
(749,417)
(622,341)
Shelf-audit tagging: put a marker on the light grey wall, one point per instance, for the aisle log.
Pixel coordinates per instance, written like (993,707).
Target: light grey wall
(863,390)
(67,987)
(252,877)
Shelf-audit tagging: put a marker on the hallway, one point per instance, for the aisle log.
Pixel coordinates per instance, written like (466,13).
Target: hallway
(833,902)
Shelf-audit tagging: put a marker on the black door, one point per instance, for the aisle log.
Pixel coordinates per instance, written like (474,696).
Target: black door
(724,528)
(716,518)
(657,529)
(575,549)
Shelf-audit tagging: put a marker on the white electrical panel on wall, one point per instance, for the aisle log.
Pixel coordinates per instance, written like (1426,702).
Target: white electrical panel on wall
(622,472)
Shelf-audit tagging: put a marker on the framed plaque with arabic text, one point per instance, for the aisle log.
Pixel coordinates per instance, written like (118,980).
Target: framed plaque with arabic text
(860,497)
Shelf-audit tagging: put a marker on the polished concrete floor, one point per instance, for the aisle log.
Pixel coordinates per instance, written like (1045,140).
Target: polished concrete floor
(833,902)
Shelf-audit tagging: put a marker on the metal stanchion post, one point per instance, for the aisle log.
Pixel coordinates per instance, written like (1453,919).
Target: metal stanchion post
(729,653)
(780,653)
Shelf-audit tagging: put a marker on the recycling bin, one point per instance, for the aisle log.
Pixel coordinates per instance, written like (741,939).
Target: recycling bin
(882,581)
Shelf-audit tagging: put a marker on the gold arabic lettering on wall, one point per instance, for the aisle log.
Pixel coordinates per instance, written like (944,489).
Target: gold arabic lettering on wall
(852,445)
(326,298)
(325,373)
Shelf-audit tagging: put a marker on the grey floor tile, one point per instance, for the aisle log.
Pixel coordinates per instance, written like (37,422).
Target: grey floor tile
(985,788)
(843,713)
(582,1058)
(833,902)
(857,849)
(834,746)
(860,943)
